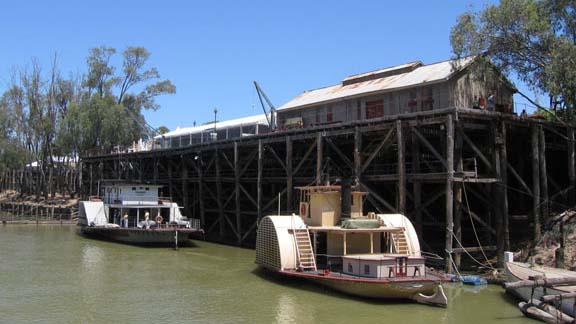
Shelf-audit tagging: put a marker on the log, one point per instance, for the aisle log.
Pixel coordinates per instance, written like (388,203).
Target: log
(559,316)
(549,298)
(541,282)
(536,313)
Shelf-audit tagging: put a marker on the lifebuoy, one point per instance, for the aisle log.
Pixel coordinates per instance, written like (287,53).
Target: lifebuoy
(159,219)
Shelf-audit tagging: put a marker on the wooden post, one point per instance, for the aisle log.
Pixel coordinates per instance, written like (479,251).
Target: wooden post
(504,173)
(458,186)
(535,182)
(91,180)
(417,185)
(185,198)
(318,158)
(155,175)
(543,174)
(571,167)
(449,192)
(259,182)
(357,155)
(219,193)
(497,191)
(200,169)
(237,194)
(289,175)
(170,185)
(401,170)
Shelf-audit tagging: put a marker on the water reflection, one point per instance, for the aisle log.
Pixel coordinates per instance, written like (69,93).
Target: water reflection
(92,258)
(290,310)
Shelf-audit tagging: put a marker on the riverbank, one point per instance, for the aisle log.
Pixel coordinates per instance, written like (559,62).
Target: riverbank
(23,209)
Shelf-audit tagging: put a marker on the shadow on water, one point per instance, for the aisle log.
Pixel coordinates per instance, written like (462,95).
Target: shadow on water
(188,243)
(312,287)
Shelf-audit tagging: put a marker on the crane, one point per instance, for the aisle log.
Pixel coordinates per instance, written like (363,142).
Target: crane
(272,119)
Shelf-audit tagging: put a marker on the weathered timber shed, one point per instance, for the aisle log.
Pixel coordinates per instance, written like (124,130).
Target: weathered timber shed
(407,88)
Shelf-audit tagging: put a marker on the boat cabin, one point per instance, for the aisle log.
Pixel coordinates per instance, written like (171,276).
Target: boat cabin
(131,194)
(130,206)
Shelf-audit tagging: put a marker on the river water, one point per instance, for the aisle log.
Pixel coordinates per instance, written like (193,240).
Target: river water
(49,274)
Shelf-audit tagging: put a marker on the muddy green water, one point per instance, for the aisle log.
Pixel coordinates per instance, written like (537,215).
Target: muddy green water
(49,274)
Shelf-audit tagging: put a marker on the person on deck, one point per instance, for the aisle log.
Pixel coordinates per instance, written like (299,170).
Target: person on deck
(117,219)
(490,102)
(147,220)
(475,104)
(125,221)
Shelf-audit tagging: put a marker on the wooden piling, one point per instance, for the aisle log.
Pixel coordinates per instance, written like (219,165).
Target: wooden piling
(259,183)
(543,173)
(504,182)
(536,182)
(237,194)
(289,175)
(319,158)
(401,169)
(449,191)
(571,167)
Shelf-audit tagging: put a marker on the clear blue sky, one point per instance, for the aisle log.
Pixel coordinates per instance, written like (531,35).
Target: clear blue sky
(213,50)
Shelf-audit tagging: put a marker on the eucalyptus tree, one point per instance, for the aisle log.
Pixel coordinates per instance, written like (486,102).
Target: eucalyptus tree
(535,39)
(109,113)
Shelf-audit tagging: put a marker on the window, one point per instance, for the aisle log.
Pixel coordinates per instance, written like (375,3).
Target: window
(329,114)
(366,269)
(374,109)
(427,99)
(358,110)
(413,101)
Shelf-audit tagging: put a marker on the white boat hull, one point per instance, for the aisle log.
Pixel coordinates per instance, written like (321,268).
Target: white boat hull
(516,271)
(426,291)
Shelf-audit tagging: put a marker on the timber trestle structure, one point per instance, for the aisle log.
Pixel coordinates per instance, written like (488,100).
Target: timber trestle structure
(444,169)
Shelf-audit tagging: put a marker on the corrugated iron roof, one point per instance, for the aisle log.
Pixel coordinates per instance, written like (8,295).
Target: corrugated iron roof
(421,74)
(252,120)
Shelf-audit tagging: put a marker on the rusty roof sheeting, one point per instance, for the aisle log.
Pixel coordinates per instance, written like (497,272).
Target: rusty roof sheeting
(420,75)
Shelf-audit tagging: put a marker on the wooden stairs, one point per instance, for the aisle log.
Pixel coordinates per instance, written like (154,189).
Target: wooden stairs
(400,243)
(306,260)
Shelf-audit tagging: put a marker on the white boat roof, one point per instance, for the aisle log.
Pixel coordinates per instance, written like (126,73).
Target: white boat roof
(251,120)
(412,74)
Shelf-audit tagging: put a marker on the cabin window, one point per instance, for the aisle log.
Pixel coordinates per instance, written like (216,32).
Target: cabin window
(367,269)
(147,188)
(350,268)
(358,110)
(133,188)
(374,109)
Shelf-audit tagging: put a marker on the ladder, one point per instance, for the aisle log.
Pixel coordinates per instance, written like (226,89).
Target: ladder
(306,260)
(400,243)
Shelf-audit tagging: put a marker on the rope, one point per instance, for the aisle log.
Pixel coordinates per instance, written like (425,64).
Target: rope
(474,228)
(467,253)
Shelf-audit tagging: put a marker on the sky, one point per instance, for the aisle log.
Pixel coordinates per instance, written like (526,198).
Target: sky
(213,50)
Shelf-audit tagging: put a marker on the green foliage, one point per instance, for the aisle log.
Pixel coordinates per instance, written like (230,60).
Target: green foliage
(163,129)
(43,115)
(535,39)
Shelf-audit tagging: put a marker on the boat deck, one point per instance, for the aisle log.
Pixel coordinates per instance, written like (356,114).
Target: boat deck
(524,271)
